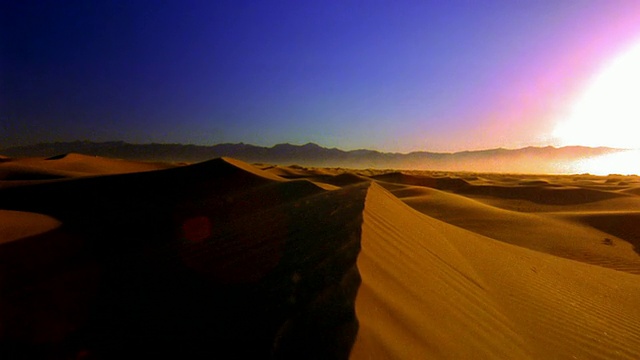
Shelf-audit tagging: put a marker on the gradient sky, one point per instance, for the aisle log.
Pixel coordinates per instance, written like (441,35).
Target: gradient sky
(388,75)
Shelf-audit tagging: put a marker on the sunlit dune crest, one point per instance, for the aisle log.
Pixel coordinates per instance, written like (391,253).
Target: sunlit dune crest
(433,290)
(608,112)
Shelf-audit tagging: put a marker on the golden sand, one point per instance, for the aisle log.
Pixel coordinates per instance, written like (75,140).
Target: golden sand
(111,258)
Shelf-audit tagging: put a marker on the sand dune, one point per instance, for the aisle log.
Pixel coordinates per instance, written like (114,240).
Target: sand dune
(633,190)
(294,172)
(546,195)
(621,224)
(104,258)
(432,290)
(444,183)
(531,230)
(71,165)
(214,258)
(341,179)
(17,225)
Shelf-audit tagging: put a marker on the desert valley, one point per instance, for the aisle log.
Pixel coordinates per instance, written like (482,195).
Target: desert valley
(104,258)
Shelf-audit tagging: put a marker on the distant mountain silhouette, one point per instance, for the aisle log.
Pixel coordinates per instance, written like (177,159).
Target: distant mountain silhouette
(525,160)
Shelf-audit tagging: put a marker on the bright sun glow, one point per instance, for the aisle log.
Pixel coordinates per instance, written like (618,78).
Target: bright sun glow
(624,163)
(608,113)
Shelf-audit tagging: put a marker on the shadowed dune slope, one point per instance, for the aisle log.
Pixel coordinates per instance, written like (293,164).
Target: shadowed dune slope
(341,179)
(149,192)
(433,290)
(633,190)
(250,169)
(623,225)
(196,261)
(442,183)
(548,195)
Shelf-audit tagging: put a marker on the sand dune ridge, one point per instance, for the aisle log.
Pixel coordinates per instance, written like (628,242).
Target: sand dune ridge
(100,259)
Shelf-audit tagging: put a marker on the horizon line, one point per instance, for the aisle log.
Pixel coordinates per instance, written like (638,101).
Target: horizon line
(315,144)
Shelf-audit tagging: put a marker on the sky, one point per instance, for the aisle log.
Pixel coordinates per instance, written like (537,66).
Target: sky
(395,76)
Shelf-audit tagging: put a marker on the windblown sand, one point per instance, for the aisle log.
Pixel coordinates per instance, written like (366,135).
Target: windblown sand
(104,258)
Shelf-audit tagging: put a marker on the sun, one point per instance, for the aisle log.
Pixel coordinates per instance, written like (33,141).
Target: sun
(624,162)
(608,112)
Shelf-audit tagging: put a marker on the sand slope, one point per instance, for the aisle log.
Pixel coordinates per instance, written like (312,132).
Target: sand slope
(71,165)
(101,258)
(197,261)
(15,225)
(536,231)
(432,290)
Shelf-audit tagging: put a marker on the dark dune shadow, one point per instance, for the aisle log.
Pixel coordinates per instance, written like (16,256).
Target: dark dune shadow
(57,157)
(625,226)
(540,194)
(341,179)
(198,261)
(441,183)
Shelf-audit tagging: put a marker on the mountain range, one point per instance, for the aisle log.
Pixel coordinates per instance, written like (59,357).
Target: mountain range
(525,160)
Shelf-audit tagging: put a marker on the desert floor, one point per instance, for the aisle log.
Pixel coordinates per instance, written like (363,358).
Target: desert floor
(103,258)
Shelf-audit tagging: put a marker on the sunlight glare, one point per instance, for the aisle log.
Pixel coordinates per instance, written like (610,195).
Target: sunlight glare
(623,163)
(608,113)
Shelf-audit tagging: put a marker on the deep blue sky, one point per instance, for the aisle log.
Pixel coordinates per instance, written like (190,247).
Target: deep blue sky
(389,75)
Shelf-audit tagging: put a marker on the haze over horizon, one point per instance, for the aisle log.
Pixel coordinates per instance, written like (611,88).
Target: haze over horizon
(313,144)
(388,76)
